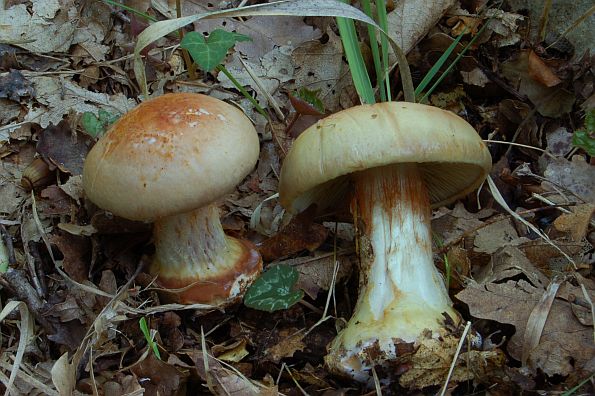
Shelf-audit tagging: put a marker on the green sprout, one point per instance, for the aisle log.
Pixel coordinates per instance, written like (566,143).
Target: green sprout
(585,138)
(274,289)
(3,257)
(149,335)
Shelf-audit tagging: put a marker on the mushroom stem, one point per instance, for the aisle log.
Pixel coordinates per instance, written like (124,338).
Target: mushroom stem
(401,293)
(193,253)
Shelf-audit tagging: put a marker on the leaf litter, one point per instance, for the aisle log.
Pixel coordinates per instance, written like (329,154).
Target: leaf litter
(520,261)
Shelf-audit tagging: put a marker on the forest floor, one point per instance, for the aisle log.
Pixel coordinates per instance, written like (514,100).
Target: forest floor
(79,311)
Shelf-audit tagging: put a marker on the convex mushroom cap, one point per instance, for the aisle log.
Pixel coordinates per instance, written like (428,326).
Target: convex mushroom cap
(452,158)
(170,155)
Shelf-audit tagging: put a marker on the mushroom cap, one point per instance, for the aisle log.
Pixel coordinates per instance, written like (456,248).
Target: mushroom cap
(452,158)
(170,155)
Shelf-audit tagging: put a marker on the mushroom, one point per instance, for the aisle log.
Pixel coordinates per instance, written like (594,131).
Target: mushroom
(393,161)
(168,160)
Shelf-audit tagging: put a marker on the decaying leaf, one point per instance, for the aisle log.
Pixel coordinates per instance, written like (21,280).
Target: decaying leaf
(431,362)
(550,101)
(575,175)
(224,381)
(290,341)
(577,222)
(76,250)
(565,344)
(493,236)
(60,97)
(164,378)
(300,234)
(541,72)
(412,19)
(14,85)
(64,149)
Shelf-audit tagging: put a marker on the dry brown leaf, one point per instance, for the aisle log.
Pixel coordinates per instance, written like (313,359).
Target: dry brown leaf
(577,222)
(60,97)
(225,381)
(411,20)
(44,30)
(321,68)
(76,250)
(300,234)
(431,362)
(540,71)
(234,352)
(317,272)
(55,202)
(565,344)
(576,175)
(290,342)
(450,225)
(496,235)
(549,101)
(60,147)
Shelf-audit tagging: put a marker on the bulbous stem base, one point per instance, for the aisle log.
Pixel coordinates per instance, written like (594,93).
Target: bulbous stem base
(195,257)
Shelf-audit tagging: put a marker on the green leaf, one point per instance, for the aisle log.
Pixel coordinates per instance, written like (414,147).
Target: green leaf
(91,124)
(96,126)
(273,290)
(210,52)
(308,102)
(585,138)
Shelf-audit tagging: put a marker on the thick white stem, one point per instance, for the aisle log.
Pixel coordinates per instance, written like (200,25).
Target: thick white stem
(401,292)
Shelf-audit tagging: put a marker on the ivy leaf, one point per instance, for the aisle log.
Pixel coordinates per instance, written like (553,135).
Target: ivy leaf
(585,138)
(273,290)
(209,52)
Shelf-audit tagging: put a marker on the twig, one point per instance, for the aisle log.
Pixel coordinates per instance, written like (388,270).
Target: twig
(16,281)
(456,356)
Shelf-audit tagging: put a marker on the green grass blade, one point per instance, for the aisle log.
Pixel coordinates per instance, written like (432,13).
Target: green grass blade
(383,22)
(452,65)
(436,67)
(130,9)
(359,74)
(367,7)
